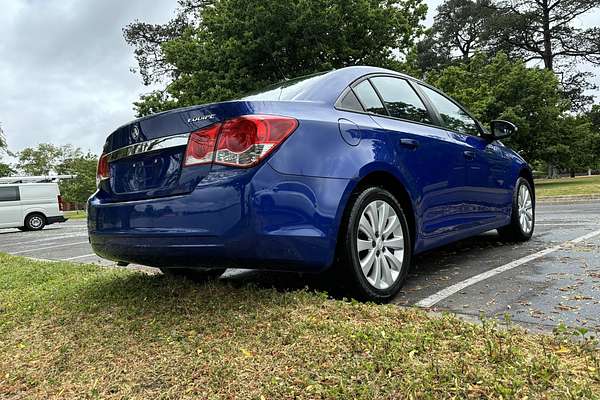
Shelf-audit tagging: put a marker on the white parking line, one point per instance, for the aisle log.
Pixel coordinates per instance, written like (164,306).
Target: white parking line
(450,290)
(77,257)
(48,247)
(43,240)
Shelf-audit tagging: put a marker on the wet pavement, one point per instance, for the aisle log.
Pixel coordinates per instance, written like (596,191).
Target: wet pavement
(476,276)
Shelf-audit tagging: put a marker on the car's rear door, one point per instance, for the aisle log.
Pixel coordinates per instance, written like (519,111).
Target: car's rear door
(424,153)
(10,207)
(487,190)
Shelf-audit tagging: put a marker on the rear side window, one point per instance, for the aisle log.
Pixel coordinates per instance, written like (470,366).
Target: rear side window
(454,117)
(350,102)
(10,193)
(368,97)
(400,99)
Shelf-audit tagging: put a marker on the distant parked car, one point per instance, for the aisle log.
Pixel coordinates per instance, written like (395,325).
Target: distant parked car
(357,169)
(30,206)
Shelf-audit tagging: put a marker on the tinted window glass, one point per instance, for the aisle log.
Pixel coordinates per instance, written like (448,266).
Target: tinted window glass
(400,99)
(368,97)
(350,102)
(454,117)
(285,90)
(9,193)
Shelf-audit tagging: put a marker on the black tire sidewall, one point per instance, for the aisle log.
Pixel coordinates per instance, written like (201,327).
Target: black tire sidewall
(365,289)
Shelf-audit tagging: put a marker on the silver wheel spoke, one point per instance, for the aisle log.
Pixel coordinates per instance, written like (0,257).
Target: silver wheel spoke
(365,226)
(394,243)
(367,262)
(392,227)
(371,213)
(363,245)
(393,261)
(383,212)
(386,274)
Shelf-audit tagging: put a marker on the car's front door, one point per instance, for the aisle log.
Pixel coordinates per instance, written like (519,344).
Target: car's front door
(486,191)
(425,154)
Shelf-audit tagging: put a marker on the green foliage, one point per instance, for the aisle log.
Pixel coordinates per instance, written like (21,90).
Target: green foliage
(39,160)
(5,170)
(47,159)
(78,190)
(501,89)
(236,46)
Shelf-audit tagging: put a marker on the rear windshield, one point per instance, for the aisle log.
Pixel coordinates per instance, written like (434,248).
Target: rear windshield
(286,90)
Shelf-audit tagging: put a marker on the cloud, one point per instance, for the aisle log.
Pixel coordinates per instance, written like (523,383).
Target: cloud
(64,69)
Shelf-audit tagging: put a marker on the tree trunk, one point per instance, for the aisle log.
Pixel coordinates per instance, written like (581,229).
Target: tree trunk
(548,56)
(572,172)
(552,171)
(589,172)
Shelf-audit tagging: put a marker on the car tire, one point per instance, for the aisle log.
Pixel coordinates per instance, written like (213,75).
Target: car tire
(196,275)
(374,264)
(522,220)
(35,222)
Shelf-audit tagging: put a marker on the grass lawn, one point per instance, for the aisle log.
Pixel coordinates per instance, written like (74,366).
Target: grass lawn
(75,214)
(79,331)
(567,186)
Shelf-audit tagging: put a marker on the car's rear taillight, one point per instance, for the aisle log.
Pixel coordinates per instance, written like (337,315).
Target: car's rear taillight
(60,203)
(201,146)
(240,142)
(102,170)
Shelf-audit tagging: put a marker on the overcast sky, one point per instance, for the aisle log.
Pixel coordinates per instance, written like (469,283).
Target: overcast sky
(65,68)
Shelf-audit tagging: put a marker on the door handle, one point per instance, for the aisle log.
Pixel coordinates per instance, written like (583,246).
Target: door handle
(469,155)
(410,143)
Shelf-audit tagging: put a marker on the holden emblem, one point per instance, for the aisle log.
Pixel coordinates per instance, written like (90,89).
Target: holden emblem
(135,132)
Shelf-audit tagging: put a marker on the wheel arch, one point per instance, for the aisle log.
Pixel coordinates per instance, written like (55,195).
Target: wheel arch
(391,183)
(526,174)
(29,213)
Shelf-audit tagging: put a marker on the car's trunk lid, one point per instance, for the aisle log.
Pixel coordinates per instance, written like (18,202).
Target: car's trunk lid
(145,157)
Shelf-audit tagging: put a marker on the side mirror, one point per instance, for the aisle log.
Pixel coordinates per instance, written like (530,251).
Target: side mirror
(502,129)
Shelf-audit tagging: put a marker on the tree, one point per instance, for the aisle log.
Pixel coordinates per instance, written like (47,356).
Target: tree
(235,46)
(546,30)
(46,159)
(41,160)
(502,89)
(463,26)
(5,169)
(78,190)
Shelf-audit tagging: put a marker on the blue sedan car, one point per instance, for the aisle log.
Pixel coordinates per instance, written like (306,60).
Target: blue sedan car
(356,169)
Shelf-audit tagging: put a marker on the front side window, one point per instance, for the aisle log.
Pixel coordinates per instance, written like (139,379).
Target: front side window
(10,193)
(454,117)
(400,99)
(368,97)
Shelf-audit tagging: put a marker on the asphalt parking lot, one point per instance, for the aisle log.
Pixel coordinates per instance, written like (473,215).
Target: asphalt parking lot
(553,278)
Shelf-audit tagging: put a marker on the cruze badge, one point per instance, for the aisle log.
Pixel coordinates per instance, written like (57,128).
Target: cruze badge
(201,118)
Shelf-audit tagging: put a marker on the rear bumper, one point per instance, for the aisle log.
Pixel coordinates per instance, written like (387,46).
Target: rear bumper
(235,218)
(57,219)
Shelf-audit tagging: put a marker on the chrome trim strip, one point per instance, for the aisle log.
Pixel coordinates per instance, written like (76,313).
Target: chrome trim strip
(148,146)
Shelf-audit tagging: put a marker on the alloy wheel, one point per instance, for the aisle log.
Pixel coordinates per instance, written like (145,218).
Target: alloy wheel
(525,209)
(380,244)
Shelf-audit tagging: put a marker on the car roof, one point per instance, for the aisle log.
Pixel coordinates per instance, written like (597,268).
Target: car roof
(332,84)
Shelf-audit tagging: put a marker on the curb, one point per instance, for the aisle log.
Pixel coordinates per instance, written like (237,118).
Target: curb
(569,199)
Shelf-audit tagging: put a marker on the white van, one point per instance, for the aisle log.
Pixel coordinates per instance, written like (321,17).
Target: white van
(30,206)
